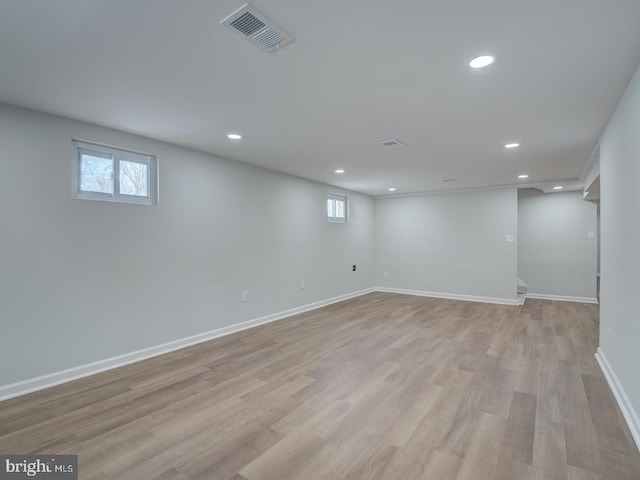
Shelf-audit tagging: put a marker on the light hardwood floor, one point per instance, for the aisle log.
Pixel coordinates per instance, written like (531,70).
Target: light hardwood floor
(384,386)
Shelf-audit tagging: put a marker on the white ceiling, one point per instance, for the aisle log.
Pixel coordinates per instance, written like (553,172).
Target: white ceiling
(358,72)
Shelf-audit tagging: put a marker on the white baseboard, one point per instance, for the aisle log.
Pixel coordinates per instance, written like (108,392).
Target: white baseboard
(63,376)
(450,296)
(629,413)
(562,298)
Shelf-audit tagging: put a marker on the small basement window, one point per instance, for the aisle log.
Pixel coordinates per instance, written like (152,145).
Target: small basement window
(336,208)
(114,175)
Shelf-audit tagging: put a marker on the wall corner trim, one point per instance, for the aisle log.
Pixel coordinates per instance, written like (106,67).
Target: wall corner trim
(56,378)
(562,298)
(629,413)
(450,296)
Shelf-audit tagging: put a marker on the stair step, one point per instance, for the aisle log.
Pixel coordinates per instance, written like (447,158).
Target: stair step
(522,287)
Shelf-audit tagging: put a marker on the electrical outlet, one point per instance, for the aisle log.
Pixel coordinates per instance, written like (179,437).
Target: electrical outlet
(386,275)
(245,296)
(302,284)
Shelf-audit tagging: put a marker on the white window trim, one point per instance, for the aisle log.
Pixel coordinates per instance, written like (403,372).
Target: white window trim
(118,154)
(333,197)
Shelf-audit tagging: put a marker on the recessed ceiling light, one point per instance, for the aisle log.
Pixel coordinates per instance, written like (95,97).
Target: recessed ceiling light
(512,145)
(524,175)
(234,136)
(481,61)
(392,189)
(558,187)
(339,171)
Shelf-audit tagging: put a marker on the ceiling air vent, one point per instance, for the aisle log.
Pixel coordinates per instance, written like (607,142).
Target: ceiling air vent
(257,28)
(393,143)
(450,180)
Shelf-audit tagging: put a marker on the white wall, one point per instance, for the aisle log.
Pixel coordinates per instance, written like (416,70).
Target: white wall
(599,232)
(555,257)
(451,243)
(81,281)
(620,243)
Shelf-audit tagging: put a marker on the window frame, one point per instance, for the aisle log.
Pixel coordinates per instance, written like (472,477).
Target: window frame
(333,197)
(117,155)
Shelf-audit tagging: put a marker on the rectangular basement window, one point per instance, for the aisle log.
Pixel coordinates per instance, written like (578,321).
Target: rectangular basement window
(336,208)
(114,175)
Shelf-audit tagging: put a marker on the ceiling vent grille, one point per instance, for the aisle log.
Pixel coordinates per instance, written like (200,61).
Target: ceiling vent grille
(257,28)
(393,143)
(450,180)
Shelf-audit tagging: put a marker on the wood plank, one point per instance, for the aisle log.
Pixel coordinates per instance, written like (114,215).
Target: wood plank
(520,431)
(483,454)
